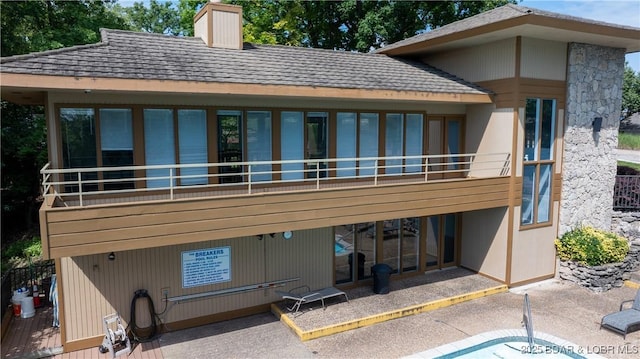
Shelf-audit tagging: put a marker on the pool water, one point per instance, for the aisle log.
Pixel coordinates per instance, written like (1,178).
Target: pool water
(508,343)
(514,347)
(339,248)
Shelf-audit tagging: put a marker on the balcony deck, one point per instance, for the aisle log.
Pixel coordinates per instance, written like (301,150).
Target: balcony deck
(89,222)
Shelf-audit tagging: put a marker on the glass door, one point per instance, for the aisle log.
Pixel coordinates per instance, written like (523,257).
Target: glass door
(316,143)
(441,241)
(230,145)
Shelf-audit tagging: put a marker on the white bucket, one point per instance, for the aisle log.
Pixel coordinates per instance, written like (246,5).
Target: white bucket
(19,294)
(28,309)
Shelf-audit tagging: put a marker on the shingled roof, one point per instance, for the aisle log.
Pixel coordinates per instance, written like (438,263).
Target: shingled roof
(144,56)
(511,14)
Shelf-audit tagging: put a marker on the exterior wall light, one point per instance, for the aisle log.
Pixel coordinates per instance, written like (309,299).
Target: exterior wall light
(112,256)
(287,235)
(597,124)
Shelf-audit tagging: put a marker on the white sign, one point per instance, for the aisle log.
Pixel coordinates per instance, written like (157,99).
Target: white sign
(206,266)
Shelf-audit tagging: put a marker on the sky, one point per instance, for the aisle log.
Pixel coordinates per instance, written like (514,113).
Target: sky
(621,12)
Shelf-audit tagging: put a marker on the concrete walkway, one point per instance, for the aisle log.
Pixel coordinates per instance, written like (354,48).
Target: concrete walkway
(561,309)
(628,155)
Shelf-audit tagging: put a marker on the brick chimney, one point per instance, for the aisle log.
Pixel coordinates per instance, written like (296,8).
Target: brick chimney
(219,25)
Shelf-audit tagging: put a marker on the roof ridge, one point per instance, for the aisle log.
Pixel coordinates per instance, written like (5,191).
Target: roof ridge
(314,49)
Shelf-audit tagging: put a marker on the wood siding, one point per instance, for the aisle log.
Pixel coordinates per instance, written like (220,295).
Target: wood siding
(95,287)
(75,231)
(486,62)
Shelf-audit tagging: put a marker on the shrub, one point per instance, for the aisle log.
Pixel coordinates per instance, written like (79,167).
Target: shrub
(590,246)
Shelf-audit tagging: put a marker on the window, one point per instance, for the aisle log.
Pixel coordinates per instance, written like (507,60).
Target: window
(259,143)
(403,137)
(230,145)
(368,145)
(159,147)
(540,120)
(116,144)
(292,145)
(346,144)
(317,145)
(78,130)
(192,146)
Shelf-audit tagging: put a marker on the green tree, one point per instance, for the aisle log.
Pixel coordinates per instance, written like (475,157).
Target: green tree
(346,25)
(31,26)
(161,18)
(630,92)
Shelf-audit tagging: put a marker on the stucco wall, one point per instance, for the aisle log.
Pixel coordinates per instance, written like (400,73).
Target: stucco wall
(594,89)
(484,241)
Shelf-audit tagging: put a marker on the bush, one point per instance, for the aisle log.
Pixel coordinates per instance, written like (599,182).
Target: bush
(590,246)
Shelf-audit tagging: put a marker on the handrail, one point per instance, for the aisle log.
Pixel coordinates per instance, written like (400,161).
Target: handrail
(77,184)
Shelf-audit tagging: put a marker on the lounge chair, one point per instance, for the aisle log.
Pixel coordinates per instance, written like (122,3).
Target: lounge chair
(625,320)
(307,296)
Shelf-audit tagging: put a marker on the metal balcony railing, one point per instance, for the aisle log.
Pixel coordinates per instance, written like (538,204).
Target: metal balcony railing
(74,186)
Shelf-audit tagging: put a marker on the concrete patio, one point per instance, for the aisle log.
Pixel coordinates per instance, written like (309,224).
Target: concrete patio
(560,309)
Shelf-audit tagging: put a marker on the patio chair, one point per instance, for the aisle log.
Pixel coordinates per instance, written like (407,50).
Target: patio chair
(625,320)
(307,296)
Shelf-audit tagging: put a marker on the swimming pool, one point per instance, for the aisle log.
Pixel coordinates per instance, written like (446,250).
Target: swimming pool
(508,344)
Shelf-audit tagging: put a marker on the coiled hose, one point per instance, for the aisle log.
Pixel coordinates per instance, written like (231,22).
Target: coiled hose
(148,333)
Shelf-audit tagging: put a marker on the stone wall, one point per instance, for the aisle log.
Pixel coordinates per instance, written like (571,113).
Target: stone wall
(594,89)
(626,224)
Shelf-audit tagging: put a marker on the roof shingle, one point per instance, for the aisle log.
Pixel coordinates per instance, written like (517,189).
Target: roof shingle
(134,55)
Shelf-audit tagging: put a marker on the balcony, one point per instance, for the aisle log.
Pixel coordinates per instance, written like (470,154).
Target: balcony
(97,210)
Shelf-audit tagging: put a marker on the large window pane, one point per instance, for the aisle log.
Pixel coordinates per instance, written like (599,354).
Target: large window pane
(192,149)
(547,124)
(433,238)
(344,246)
(435,148)
(453,142)
(292,145)
(394,141)
(391,243)
(449,243)
(410,240)
(116,142)
(159,145)
(77,127)
(413,143)
(544,194)
(259,144)
(531,130)
(317,144)
(230,145)
(368,146)
(346,144)
(528,193)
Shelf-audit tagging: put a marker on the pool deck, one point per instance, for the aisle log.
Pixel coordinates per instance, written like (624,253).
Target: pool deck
(441,316)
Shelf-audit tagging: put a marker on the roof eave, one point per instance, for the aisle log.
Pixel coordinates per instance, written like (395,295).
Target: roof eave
(14,82)
(630,36)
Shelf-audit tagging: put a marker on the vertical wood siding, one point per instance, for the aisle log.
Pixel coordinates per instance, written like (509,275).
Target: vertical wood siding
(95,286)
(485,62)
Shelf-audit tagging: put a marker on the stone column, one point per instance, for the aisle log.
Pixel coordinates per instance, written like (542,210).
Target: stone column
(594,89)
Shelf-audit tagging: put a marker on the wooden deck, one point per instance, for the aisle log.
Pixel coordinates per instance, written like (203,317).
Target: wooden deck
(36,338)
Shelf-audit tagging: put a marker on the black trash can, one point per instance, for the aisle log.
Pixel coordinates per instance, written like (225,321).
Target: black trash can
(381,273)
(361,260)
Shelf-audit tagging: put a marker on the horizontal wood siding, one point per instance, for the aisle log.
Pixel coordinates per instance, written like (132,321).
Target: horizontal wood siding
(95,287)
(81,231)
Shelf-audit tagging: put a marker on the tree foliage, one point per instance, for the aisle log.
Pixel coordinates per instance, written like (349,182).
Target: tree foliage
(630,92)
(31,26)
(352,25)
(158,17)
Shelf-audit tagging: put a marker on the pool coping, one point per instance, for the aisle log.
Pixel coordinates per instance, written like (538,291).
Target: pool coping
(502,333)
(382,317)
